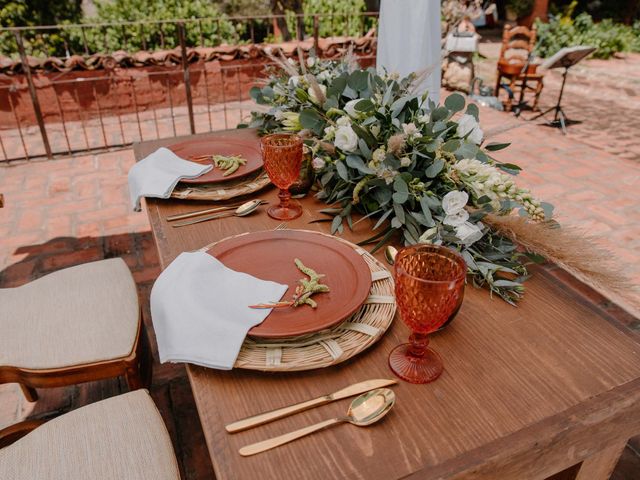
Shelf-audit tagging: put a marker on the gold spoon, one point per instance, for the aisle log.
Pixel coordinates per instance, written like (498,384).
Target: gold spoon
(241,211)
(183,216)
(364,410)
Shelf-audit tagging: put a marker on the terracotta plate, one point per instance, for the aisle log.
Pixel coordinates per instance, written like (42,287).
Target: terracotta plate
(269,255)
(207,146)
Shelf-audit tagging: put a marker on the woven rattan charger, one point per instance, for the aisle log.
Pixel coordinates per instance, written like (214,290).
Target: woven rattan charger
(332,346)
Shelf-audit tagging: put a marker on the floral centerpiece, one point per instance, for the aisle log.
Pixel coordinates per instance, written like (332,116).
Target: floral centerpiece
(382,149)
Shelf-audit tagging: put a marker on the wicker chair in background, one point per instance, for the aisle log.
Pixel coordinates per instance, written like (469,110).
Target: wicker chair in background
(517,46)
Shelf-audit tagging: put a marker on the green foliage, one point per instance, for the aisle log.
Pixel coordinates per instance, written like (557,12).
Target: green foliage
(521,8)
(564,31)
(25,13)
(336,17)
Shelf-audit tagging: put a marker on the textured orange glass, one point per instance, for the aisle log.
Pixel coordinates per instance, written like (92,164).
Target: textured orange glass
(429,288)
(282,158)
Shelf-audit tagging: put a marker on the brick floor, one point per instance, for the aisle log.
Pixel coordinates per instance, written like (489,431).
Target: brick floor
(74,209)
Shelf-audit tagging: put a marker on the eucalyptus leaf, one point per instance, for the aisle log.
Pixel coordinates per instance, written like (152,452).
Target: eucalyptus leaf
(312,120)
(342,171)
(472,109)
(400,197)
(454,102)
(335,224)
(435,168)
(354,161)
(381,220)
(399,212)
(494,147)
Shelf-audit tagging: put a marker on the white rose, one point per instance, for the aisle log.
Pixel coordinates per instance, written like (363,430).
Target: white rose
(343,121)
(467,123)
(410,129)
(294,81)
(468,233)
(405,161)
(427,237)
(323,76)
(312,93)
(311,61)
(454,201)
(346,139)
(318,163)
(457,218)
(350,107)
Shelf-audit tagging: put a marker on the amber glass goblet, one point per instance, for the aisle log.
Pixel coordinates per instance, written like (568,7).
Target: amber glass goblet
(429,285)
(282,158)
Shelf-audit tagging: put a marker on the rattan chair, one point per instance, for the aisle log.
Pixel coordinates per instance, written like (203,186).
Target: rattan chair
(517,46)
(75,325)
(123,437)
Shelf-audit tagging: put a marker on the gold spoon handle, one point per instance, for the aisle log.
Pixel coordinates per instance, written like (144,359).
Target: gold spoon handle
(203,219)
(266,417)
(287,437)
(182,216)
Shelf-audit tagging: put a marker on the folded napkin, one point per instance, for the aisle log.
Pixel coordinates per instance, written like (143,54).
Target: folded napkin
(200,310)
(157,175)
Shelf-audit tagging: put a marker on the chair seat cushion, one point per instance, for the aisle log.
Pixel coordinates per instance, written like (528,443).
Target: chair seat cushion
(79,315)
(123,437)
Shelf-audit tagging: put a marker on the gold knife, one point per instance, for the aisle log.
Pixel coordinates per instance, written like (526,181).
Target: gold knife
(350,391)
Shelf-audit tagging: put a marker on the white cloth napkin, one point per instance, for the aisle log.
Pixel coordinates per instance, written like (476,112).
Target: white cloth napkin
(157,175)
(200,310)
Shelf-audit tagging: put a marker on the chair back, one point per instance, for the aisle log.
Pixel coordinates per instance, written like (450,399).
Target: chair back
(517,43)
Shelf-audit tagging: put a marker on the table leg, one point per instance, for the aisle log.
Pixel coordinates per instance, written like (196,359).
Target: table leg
(600,465)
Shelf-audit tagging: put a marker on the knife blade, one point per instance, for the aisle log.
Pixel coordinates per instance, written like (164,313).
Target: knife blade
(266,417)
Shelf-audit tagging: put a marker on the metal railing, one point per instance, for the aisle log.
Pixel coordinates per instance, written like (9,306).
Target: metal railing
(99,121)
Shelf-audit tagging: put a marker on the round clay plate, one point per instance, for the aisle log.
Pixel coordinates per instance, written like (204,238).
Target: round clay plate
(194,148)
(270,255)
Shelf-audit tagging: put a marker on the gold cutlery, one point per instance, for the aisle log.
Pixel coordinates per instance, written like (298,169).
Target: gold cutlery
(182,216)
(365,410)
(350,391)
(241,211)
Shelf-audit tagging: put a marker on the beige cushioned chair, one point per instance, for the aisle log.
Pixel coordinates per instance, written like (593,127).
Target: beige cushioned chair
(78,324)
(122,437)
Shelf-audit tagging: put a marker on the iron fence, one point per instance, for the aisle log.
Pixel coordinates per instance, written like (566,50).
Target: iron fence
(117,108)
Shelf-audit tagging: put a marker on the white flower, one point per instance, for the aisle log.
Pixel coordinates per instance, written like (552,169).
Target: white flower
(318,163)
(410,129)
(343,121)
(311,61)
(375,130)
(323,76)
(329,132)
(405,161)
(456,219)
(378,155)
(467,123)
(350,107)
(427,237)
(469,233)
(454,201)
(387,174)
(279,114)
(346,139)
(312,93)
(423,118)
(294,80)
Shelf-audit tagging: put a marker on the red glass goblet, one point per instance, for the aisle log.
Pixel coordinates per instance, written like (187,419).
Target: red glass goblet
(429,286)
(282,157)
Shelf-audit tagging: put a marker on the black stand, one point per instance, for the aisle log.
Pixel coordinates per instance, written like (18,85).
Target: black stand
(559,117)
(521,103)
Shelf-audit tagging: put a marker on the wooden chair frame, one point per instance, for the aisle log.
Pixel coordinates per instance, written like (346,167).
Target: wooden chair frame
(135,367)
(516,80)
(15,432)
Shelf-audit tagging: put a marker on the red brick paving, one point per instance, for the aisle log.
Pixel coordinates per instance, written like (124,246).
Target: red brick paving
(75,209)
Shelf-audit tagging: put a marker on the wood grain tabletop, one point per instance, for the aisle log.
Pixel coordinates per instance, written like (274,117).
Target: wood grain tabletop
(527,391)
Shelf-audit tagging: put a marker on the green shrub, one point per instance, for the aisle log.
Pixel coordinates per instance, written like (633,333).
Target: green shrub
(607,36)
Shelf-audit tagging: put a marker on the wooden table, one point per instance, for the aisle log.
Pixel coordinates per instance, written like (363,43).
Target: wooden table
(527,392)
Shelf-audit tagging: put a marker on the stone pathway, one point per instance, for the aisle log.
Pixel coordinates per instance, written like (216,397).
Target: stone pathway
(75,209)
